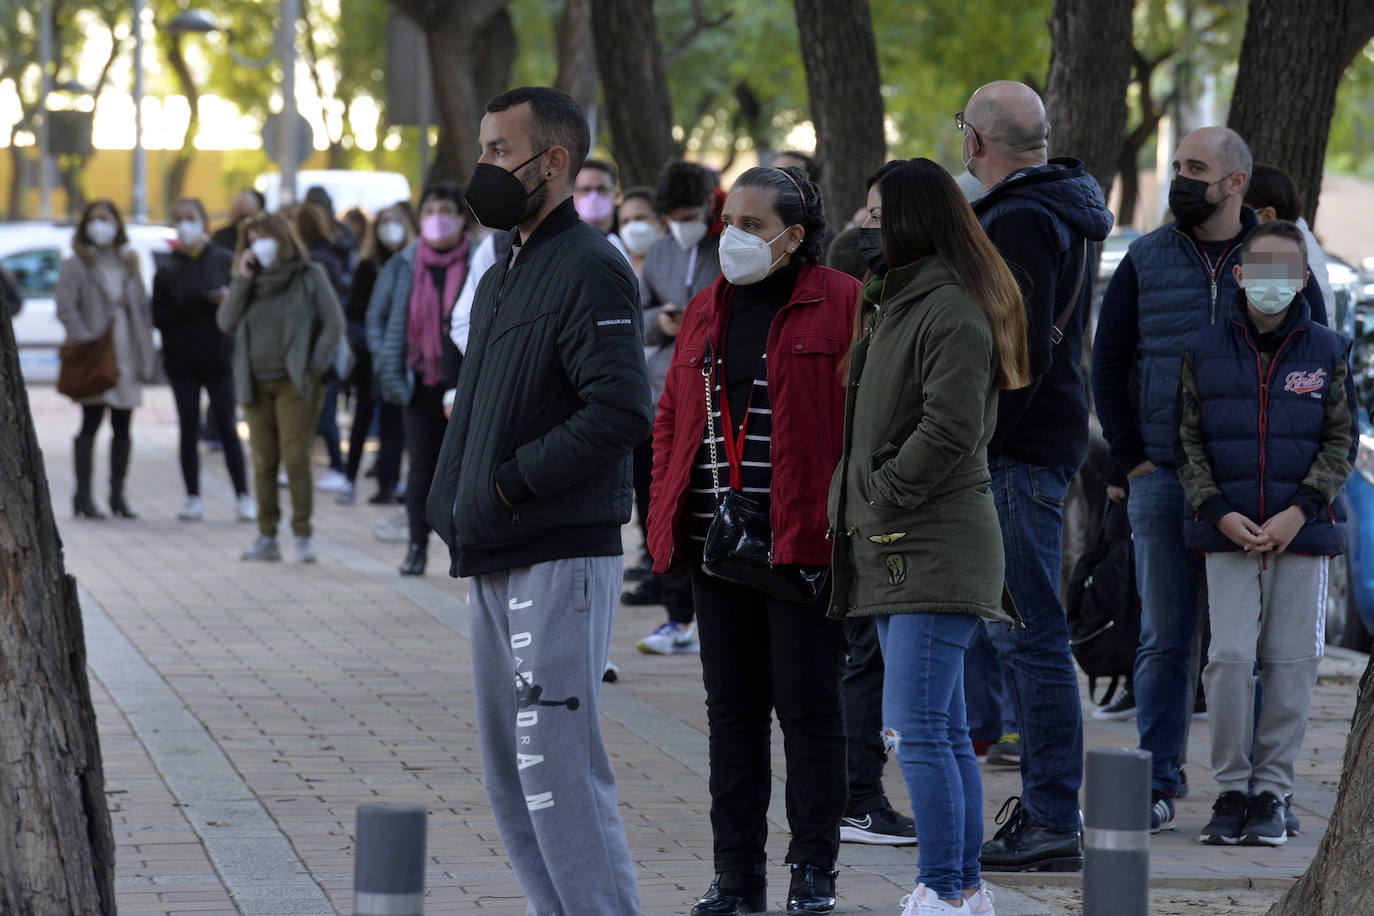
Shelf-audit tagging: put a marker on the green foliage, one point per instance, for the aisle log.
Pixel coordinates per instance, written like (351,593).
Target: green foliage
(1350,148)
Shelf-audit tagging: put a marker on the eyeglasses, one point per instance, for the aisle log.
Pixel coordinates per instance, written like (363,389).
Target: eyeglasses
(960,123)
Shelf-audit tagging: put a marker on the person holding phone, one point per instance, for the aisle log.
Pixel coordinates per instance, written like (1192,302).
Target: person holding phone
(286,323)
(187,291)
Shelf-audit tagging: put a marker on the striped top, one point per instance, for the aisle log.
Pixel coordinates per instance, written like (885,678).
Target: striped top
(756,469)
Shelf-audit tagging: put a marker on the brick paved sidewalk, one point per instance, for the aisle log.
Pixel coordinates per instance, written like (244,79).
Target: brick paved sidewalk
(246,711)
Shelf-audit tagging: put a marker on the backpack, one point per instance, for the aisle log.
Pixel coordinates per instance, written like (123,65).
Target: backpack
(1104,606)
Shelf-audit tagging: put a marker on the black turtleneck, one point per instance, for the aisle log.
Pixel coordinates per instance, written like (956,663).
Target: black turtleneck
(752,311)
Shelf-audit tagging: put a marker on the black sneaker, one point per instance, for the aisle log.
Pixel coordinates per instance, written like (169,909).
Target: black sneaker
(1182,790)
(883,827)
(1200,704)
(1290,820)
(1024,845)
(1264,822)
(1228,820)
(641,570)
(1121,708)
(648,591)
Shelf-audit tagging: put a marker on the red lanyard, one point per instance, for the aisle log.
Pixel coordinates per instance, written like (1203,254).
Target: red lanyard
(734,445)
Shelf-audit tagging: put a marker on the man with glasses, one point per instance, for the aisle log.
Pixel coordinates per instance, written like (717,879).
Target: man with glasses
(596,194)
(1042,214)
(1171,282)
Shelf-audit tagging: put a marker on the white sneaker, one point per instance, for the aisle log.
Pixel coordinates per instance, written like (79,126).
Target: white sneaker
(346,496)
(670,639)
(923,902)
(282,479)
(980,904)
(394,530)
(305,551)
(264,548)
(332,480)
(193,510)
(246,508)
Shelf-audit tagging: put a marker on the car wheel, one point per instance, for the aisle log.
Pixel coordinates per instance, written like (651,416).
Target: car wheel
(1344,628)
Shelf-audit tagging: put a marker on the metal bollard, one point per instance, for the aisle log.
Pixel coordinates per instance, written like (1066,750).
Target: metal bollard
(1116,835)
(389,866)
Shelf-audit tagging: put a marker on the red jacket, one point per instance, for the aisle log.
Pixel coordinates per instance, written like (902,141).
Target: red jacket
(806,345)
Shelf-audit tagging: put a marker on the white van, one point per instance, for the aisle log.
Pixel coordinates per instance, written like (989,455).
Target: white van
(368,191)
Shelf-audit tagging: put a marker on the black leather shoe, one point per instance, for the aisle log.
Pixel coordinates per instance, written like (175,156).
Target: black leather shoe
(120,508)
(84,507)
(1024,845)
(812,889)
(649,591)
(747,894)
(384,498)
(641,570)
(415,561)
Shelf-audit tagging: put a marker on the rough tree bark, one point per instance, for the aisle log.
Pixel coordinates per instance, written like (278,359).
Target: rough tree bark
(58,851)
(638,112)
(1282,40)
(841,62)
(471,49)
(577,73)
(1337,881)
(1085,94)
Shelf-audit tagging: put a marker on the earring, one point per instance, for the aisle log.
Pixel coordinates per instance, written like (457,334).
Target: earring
(548,174)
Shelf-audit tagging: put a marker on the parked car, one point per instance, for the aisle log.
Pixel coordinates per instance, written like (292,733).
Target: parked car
(33,253)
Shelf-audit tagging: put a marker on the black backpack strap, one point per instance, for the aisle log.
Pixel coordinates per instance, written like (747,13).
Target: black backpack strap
(1056,332)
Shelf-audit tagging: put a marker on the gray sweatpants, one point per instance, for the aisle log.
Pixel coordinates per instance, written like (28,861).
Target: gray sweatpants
(1273,610)
(540,638)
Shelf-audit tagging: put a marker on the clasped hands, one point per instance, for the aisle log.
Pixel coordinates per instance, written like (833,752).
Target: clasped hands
(1274,535)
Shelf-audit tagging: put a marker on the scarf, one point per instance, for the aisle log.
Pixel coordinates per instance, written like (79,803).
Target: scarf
(429,311)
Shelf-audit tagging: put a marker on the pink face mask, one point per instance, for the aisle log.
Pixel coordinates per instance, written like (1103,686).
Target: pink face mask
(439,227)
(595,206)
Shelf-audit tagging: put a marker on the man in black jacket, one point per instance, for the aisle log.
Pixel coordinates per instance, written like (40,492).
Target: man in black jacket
(530,492)
(1043,216)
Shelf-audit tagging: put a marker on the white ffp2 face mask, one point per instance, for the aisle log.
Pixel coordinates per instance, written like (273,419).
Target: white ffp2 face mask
(746,258)
(1270,295)
(391,234)
(687,234)
(190,231)
(265,250)
(101,231)
(638,235)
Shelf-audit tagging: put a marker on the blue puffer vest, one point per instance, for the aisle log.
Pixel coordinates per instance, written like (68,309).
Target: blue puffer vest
(1176,297)
(1262,435)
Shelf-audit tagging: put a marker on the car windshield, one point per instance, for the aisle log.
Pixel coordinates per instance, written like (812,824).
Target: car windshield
(35,271)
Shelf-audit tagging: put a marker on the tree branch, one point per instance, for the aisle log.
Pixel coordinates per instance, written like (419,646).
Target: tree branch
(701,23)
(312,59)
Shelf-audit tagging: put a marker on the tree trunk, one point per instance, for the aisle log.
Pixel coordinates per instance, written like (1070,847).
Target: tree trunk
(1085,94)
(181,165)
(841,62)
(58,856)
(471,50)
(638,112)
(1337,881)
(577,74)
(1283,117)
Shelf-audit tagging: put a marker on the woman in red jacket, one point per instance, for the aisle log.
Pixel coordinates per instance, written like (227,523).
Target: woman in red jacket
(772,332)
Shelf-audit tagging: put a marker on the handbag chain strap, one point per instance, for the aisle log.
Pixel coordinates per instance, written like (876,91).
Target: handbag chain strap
(711,429)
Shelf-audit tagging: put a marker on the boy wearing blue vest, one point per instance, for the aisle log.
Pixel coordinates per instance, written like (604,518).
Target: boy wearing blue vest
(1268,436)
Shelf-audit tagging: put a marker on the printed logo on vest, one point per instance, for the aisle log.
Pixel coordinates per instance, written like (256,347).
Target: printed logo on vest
(1300,382)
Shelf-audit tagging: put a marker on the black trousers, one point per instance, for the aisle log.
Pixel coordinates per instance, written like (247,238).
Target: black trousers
(643,476)
(424,424)
(223,410)
(92,414)
(367,404)
(760,655)
(862,688)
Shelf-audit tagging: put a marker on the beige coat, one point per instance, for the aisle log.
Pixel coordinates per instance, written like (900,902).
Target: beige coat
(86,311)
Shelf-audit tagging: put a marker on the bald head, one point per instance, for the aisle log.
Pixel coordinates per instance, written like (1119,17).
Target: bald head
(1221,147)
(1010,118)
(1220,159)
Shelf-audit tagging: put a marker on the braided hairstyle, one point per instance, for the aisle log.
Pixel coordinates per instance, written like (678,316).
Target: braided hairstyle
(797,201)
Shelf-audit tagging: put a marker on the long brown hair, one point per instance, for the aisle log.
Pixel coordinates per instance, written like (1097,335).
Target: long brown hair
(925,213)
(289,247)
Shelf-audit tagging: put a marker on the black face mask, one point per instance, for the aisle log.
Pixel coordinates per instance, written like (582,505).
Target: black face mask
(871,250)
(498,197)
(1189,203)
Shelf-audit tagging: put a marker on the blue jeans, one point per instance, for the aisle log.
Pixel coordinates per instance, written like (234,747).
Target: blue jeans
(923,703)
(990,713)
(1168,577)
(1042,681)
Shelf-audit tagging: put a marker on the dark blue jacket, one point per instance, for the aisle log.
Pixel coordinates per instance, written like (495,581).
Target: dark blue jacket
(1263,434)
(1160,294)
(1038,218)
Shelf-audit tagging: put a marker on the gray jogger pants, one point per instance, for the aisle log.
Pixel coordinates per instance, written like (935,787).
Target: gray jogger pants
(1270,609)
(540,638)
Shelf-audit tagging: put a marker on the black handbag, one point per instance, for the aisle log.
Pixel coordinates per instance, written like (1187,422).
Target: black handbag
(739,541)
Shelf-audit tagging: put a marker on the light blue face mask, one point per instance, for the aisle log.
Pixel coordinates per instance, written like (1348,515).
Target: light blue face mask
(1270,295)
